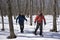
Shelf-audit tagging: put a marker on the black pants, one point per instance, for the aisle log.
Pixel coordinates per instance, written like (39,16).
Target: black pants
(21,27)
(39,25)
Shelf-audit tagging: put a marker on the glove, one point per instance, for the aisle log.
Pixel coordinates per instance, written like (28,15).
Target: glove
(16,22)
(45,23)
(26,19)
(34,22)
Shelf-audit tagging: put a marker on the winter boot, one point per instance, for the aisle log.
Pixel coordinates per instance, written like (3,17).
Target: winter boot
(41,35)
(22,30)
(35,33)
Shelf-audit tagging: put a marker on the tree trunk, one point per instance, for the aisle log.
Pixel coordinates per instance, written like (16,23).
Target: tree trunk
(2,21)
(54,18)
(2,16)
(57,8)
(41,5)
(31,5)
(26,9)
(37,8)
(12,35)
(19,6)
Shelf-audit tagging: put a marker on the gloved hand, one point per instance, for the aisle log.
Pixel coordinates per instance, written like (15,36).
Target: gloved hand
(34,22)
(26,19)
(16,22)
(45,23)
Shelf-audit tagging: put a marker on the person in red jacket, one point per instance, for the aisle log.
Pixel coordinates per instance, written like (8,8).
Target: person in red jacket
(39,19)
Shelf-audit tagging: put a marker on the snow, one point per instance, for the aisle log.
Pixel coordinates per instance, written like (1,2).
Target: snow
(28,35)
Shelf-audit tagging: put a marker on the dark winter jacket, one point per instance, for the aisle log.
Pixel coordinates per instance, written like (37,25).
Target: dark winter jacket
(21,19)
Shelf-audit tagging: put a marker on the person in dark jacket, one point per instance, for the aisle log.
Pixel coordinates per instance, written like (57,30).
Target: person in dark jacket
(21,19)
(39,19)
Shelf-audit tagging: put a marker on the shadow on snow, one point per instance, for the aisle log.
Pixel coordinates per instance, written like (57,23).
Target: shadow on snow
(29,34)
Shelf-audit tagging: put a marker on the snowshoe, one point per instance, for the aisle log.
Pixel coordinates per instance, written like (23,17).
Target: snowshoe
(41,35)
(35,33)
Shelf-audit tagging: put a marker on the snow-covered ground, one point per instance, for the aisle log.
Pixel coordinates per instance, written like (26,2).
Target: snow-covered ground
(28,35)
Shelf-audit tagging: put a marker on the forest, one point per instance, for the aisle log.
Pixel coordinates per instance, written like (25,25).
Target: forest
(28,8)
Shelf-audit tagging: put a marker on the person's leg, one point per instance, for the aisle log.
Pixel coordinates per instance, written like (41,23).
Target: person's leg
(36,29)
(22,28)
(41,29)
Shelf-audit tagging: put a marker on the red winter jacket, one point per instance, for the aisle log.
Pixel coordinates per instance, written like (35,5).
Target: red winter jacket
(39,19)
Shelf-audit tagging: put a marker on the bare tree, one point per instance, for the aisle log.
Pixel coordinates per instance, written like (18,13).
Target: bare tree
(31,5)
(54,17)
(19,5)
(43,6)
(26,9)
(14,8)
(2,15)
(40,5)
(37,8)
(12,35)
(57,8)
